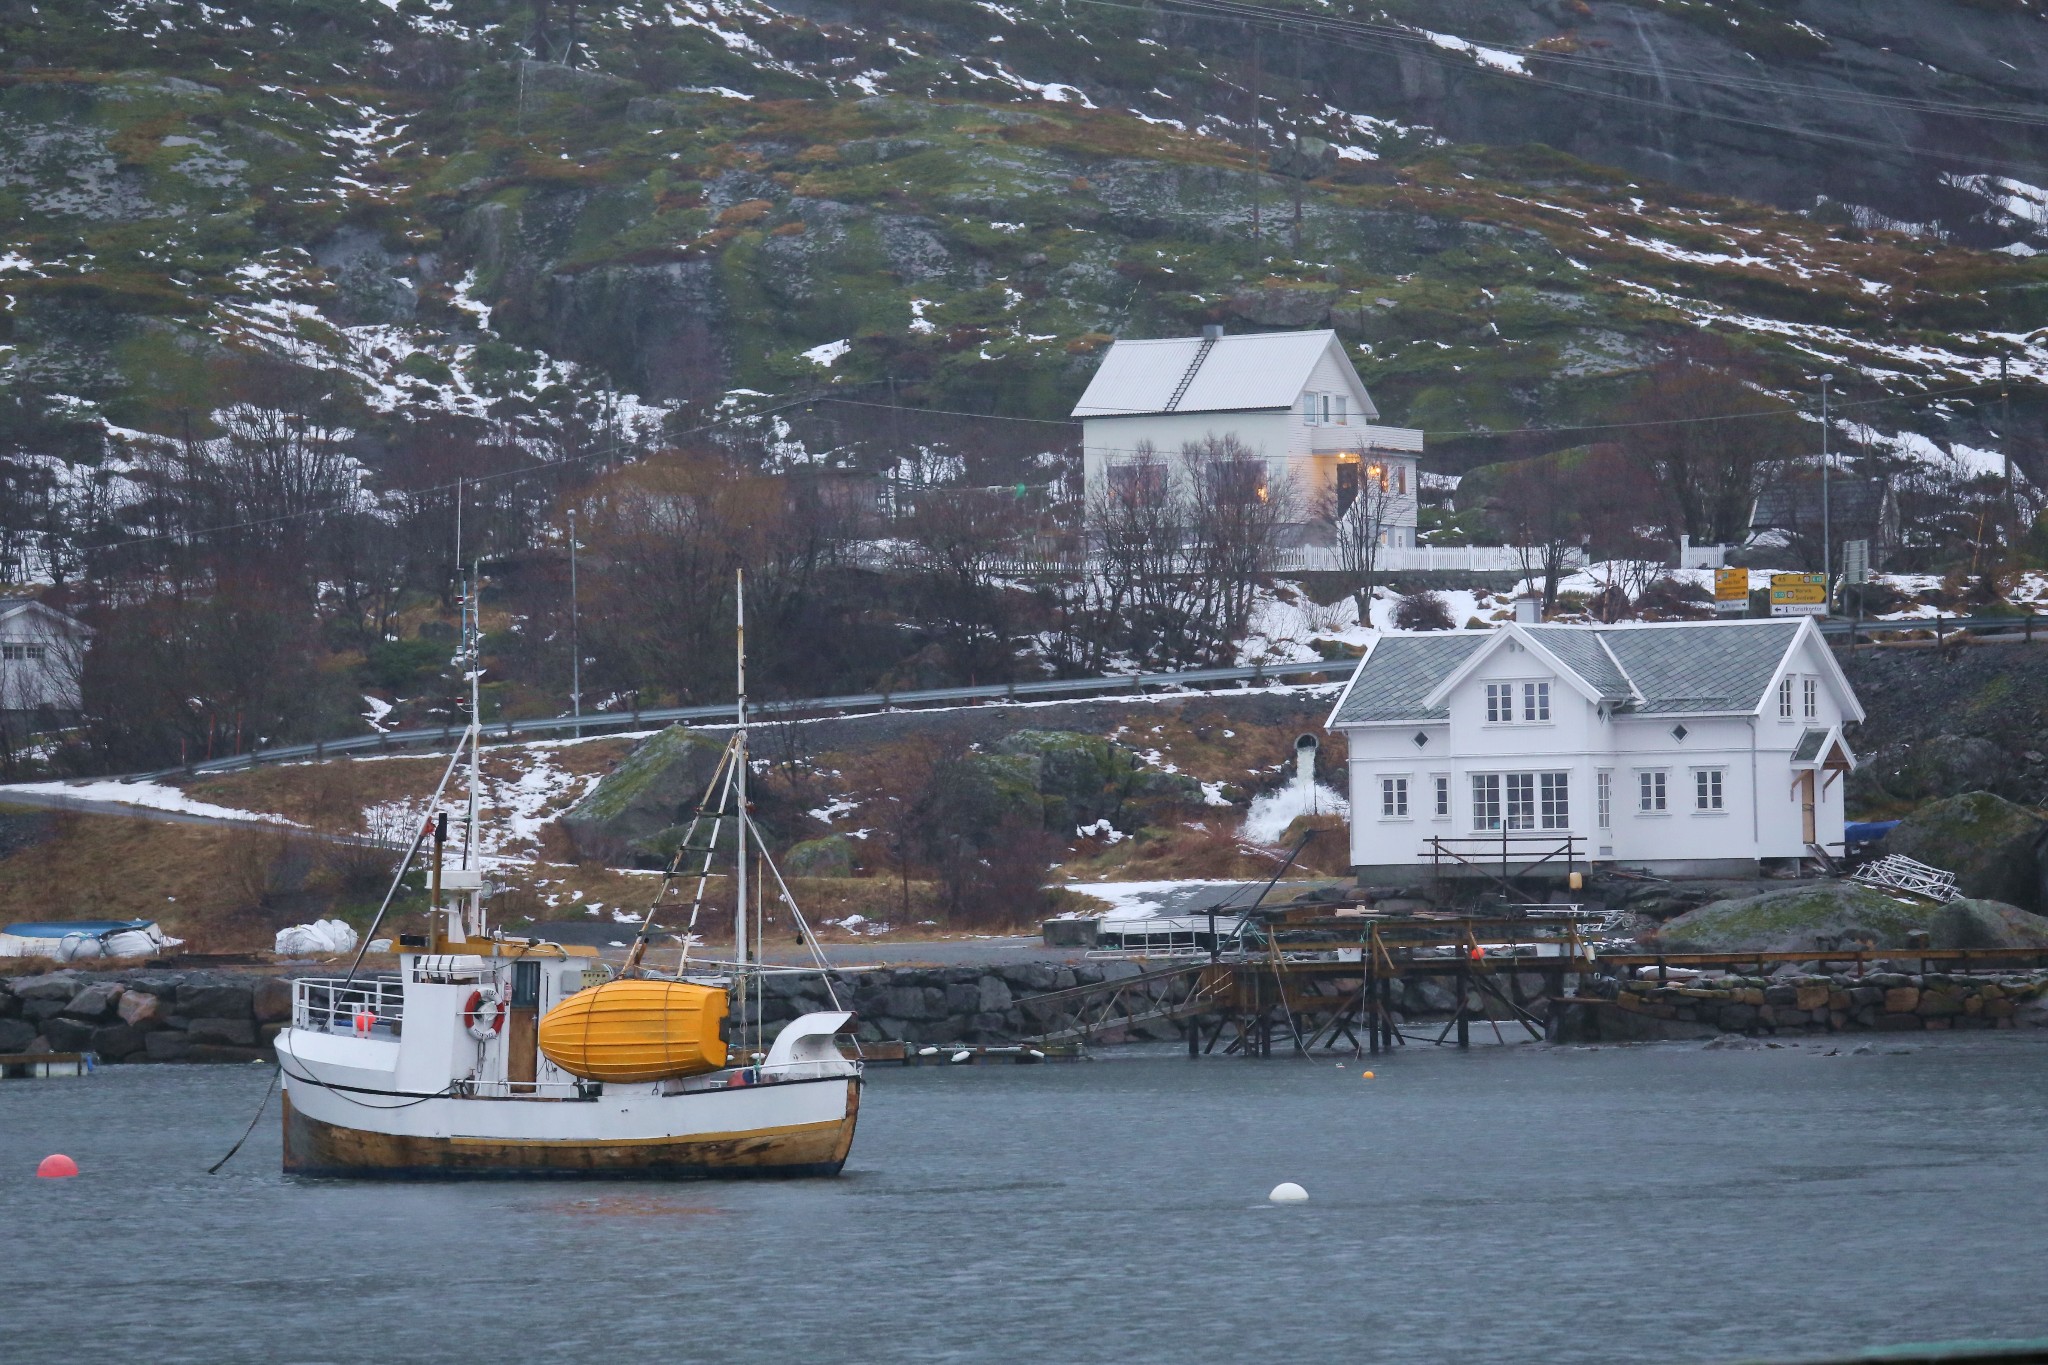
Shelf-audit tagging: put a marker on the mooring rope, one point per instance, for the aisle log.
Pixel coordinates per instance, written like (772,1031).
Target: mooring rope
(214,1169)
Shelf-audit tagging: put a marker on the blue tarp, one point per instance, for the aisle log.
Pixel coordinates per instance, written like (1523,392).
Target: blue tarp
(77,928)
(1858,832)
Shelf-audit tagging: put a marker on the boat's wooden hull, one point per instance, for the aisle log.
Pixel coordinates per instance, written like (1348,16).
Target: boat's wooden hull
(314,1147)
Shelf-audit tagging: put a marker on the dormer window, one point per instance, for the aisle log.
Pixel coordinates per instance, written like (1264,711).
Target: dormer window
(1528,702)
(1325,409)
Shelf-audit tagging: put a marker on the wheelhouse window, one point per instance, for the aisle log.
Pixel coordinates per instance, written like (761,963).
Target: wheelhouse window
(1393,798)
(1706,789)
(1651,794)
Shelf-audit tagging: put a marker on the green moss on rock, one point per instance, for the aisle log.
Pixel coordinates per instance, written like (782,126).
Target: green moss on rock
(1796,919)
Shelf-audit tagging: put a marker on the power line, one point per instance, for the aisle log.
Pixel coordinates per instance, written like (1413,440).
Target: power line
(1417,46)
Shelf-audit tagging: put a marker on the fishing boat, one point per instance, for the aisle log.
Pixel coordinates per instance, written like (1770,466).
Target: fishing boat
(490,1054)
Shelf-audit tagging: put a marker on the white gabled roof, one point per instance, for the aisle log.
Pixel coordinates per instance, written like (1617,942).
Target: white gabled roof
(1246,372)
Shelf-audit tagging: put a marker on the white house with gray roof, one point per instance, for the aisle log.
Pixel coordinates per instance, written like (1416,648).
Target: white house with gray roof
(1681,748)
(1291,399)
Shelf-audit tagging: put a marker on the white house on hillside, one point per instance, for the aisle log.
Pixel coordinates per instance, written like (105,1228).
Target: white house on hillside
(40,652)
(1683,748)
(1291,399)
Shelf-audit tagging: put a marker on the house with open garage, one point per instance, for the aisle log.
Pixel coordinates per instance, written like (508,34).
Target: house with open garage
(1709,748)
(1291,402)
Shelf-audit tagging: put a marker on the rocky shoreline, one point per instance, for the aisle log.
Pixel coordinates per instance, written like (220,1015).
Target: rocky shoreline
(157,1015)
(1880,1001)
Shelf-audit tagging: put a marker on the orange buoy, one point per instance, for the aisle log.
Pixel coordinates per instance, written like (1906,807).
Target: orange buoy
(1478,952)
(1367,1076)
(56,1167)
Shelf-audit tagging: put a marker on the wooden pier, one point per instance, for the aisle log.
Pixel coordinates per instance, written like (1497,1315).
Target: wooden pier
(24,1066)
(1303,980)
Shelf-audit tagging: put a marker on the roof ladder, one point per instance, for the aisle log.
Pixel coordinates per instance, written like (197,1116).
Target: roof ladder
(1194,368)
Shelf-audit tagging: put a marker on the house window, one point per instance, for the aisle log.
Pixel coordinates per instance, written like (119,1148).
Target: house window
(1394,798)
(1784,699)
(1553,800)
(1650,792)
(1442,782)
(1336,410)
(1812,691)
(21,651)
(1603,798)
(1237,482)
(1706,789)
(1401,479)
(1311,409)
(1521,800)
(1140,483)
(1500,702)
(1536,701)
(1486,800)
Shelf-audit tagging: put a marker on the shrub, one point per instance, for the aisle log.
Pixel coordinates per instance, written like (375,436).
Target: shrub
(1423,610)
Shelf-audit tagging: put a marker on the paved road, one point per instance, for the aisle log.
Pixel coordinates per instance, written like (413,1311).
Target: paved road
(15,796)
(945,952)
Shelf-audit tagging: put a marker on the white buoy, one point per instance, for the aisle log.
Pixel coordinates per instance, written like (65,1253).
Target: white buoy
(963,1055)
(1287,1192)
(927,1052)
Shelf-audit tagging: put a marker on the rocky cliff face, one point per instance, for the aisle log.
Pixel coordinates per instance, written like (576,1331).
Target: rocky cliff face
(678,214)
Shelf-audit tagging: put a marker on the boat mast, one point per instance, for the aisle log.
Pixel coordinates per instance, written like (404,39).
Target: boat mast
(739,916)
(472,854)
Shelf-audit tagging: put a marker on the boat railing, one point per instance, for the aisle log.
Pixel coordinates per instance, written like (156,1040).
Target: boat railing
(333,1004)
(474,1089)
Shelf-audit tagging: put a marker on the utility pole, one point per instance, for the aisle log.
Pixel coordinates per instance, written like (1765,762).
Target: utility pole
(1258,136)
(575,637)
(2012,520)
(1826,528)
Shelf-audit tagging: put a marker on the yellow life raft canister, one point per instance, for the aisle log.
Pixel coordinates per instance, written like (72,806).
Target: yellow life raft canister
(637,1030)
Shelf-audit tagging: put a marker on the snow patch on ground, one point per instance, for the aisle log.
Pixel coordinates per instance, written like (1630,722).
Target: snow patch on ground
(149,795)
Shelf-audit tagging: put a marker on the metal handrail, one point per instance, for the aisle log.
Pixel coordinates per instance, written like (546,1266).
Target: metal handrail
(331,1003)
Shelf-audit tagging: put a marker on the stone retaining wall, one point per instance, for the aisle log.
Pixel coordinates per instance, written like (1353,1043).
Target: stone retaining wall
(215,1016)
(1817,1003)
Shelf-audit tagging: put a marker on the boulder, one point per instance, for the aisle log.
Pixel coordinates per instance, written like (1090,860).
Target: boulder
(10,1004)
(215,998)
(831,856)
(57,986)
(117,1042)
(142,1009)
(1993,846)
(233,1032)
(1085,778)
(16,1035)
(166,1046)
(1986,924)
(995,995)
(1795,919)
(652,792)
(69,1035)
(96,1001)
(271,1000)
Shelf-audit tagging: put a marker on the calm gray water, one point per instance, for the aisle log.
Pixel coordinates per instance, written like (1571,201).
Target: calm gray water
(1662,1203)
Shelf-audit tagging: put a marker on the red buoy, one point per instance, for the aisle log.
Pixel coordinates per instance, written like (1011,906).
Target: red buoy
(56,1167)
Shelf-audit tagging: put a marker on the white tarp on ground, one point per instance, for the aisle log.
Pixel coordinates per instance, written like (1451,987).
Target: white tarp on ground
(321,936)
(53,941)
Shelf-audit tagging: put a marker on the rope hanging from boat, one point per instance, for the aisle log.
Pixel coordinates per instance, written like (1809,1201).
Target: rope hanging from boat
(264,1104)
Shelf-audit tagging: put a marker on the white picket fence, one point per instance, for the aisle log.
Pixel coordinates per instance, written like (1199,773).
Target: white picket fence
(1423,559)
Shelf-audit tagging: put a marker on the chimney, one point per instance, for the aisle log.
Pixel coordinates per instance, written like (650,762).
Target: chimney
(1212,331)
(1529,609)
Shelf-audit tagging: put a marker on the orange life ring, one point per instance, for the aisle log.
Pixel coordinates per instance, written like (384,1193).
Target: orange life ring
(484,1014)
